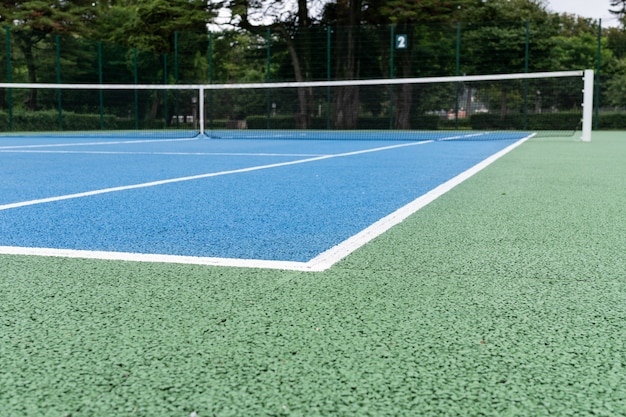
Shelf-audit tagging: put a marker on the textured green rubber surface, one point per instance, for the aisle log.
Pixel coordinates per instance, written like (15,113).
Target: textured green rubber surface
(505,297)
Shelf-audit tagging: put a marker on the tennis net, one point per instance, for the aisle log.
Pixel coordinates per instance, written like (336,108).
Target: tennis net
(549,103)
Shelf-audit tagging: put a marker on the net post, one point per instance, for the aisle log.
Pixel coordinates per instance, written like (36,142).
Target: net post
(587,105)
(201,109)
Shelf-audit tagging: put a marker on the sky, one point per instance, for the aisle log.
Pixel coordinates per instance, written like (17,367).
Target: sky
(597,9)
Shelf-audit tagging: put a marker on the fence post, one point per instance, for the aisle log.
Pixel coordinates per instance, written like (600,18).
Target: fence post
(176,75)
(100,79)
(392,45)
(176,57)
(58,66)
(268,42)
(136,79)
(526,67)
(7,31)
(328,75)
(596,124)
(165,92)
(457,72)
(210,52)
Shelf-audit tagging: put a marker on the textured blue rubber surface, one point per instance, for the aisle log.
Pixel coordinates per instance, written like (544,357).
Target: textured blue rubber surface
(291,212)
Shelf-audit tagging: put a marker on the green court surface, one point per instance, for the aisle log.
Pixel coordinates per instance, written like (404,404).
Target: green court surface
(504,297)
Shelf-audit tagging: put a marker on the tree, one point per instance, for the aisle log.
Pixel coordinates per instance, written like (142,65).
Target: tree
(495,39)
(620,10)
(293,26)
(616,85)
(421,20)
(345,16)
(32,22)
(153,23)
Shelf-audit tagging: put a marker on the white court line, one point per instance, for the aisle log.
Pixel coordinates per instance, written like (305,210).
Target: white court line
(200,176)
(333,255)
(161,153)
(320,263)
(117,142)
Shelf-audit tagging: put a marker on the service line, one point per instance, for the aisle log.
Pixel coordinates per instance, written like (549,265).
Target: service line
(200,176)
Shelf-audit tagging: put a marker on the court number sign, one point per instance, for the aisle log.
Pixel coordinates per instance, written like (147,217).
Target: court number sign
(402,41)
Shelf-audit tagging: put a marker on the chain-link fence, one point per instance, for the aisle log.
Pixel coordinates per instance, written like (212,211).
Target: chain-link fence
(323,53)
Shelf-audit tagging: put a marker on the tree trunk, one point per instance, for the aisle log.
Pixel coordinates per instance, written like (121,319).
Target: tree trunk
(300,58)
(346,106)
(305,94)
(31,101)
(346,99)
(404,101)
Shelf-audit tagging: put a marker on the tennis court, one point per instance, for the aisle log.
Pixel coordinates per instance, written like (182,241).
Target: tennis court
(273,199)
(504,296)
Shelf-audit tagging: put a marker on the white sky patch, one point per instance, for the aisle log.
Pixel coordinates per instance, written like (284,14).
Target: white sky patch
(595,9)
(269,12)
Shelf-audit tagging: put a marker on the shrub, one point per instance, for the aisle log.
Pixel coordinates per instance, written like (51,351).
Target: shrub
(613,120)
(51,121)
(538,121)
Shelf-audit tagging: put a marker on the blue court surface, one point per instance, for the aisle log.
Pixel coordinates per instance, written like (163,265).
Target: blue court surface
(260,201)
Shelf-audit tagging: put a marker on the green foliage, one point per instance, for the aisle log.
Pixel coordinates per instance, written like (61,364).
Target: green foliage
(579,52)
(50,120)
(239,57)
(400,11)
(154,23)
(538,121)
(615,94)
(494,37)
(110,23)
(616,41)
(427,122)
(612,120)
(424,122)
(55,16)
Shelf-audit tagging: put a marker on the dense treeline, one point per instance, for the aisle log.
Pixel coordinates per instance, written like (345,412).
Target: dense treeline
(191,41)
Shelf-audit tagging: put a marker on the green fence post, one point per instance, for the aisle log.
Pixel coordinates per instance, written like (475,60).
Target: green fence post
(7,31)
(267,76)
(136,79)
(210,53)
(176,57)
(58,66)
(457,72)
(596,124)
(328,75)
(100,92)
(177,93)
(526,67)
(392,45)
(165,92)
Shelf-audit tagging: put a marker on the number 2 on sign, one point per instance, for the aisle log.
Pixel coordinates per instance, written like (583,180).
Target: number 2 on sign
(401,41)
